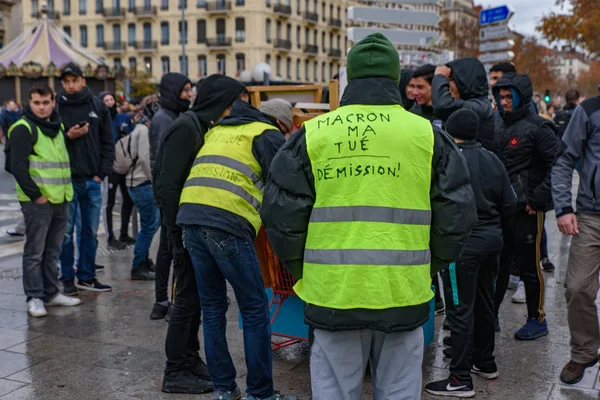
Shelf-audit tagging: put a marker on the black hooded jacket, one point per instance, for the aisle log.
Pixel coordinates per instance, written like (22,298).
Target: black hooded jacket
(264,148)
(180,144)
(406,75)
(527,145)
(290,195)
(472,83)
(22,141)
(171,105)
(92,154)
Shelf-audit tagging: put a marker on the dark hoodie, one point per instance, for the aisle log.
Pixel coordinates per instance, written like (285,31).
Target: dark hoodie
(180,144)
(21,147)
(92,154)
(527,145)
(264,148)
(406,75)
(171,105)
(121,123)
(471,79)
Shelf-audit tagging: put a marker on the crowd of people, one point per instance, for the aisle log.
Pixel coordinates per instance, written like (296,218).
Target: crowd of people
(416,176)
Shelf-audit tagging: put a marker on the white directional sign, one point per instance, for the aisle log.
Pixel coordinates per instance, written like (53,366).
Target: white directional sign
(418,58)
(392,16)
(495,32)
(496,57)
(396,36)
(496,46)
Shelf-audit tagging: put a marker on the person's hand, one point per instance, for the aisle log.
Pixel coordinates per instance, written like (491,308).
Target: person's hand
(178,252)
(78,131)
(41,200)
(443,70)
(567,224)
(530,210)
(96,179)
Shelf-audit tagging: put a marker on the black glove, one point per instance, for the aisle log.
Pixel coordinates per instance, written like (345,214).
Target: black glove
(176,247)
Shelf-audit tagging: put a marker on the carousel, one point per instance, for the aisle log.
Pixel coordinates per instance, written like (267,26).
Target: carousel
(37,56)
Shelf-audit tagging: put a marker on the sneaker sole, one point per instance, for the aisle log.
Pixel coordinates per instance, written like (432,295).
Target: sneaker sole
(71,294)
(452,394)
(518,301)
(92,289)
(190,391)
(485,375)
(539,335)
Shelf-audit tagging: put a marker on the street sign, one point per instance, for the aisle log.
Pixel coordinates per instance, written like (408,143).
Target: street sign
(392,16)
(495,32)
(494,15)
(496,57)
(496,46)
(396,36)
(418,58)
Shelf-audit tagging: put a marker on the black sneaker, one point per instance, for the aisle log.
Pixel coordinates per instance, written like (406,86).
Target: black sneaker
(168,316)
(489,373)
(127,240)
(142,273)
(547,264)
(447,352)
(185,382)
(448,341)
(497,325)
(69,288)
(450,387)
(439,308)
(93,285)
(99,267)
(113,243)
(150,265)
(159,311)
(446,325)
(200,369)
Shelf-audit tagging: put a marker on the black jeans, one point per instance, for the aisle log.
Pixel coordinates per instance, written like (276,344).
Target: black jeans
(470,312)
(115,180)
(182,345)
(164,258)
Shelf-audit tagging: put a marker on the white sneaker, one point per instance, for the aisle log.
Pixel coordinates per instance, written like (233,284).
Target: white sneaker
(62,300)
(519,296)
(513,282)
(35,308)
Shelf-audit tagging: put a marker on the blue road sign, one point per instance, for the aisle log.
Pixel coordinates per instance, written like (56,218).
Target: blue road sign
(497,14)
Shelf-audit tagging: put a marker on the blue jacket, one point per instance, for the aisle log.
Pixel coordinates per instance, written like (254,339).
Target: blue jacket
(119,120)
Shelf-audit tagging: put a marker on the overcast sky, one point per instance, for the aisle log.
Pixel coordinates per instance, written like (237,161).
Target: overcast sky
(527,12)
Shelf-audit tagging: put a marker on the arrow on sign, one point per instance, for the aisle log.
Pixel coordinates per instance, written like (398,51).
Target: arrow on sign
(497,14)
(496,46)
(386,15)
(495,32)
(496,57)
(396,36)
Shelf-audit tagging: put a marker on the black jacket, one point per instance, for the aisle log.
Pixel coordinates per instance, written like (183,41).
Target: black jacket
(264,148)
(563,117)
(179,146)
(21,147)
(527,145)
(427,113)
(171,106)
(290,195)
(92,154)
(471,79)
(406,75)
(494,197)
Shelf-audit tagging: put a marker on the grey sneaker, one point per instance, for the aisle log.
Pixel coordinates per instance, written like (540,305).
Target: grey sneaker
(276,396)
(236,394)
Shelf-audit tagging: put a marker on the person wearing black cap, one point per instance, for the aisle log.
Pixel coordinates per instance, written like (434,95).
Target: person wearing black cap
(471,279)
(91,146)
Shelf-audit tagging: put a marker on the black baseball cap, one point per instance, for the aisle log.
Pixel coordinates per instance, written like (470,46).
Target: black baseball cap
(71,69)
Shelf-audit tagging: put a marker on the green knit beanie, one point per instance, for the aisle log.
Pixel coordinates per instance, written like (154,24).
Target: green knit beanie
(374,56)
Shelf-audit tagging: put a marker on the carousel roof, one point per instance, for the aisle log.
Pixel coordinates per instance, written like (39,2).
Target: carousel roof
(45,43)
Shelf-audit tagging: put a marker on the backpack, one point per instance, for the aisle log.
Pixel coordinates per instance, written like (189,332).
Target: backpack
(124,161)
(7,156)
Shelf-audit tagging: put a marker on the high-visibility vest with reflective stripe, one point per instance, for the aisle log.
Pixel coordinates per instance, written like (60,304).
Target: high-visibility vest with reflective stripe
(49,166)
(369,230)
(226,174)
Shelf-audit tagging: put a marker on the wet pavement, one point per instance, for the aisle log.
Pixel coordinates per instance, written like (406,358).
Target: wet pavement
(108,348)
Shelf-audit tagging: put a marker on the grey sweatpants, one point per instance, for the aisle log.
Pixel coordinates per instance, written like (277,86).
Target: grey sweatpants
(338,361)
(45,226)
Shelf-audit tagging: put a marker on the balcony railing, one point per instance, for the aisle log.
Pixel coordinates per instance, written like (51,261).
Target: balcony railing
(146,45)
(51,15)
(113,13)
(334,53)
(282,10)
(146,11)
(218,42)
(283,44)
(218,7)
(311,17)
(110,47)
(334,23)
(311,49)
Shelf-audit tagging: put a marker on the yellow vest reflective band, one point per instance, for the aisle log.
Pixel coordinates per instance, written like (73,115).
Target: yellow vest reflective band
(225,173)
(49,166)
(368,235)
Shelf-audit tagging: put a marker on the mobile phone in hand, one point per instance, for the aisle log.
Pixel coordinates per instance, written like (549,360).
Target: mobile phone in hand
(82,123)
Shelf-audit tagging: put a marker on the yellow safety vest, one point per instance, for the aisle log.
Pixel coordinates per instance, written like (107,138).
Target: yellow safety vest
(225,173)
(369,230)
(49,166)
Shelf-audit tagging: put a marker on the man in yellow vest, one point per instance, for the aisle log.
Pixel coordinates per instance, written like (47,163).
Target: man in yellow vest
(220,219)
(364,205)
(40,163)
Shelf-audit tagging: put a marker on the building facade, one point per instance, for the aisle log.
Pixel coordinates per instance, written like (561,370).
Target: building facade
(463,21)
(567,63)
(302,40)
(10,21)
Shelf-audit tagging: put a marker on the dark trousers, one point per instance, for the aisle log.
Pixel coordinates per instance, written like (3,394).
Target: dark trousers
(182,344)
(164,258)
(116,180)
(470,312)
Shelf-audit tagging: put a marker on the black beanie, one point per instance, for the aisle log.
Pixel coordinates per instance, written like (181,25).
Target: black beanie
(374,56)
(463,124)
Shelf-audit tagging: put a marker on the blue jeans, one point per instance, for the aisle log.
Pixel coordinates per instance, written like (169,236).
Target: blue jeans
(88,198)
(219,257)
(143,198)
